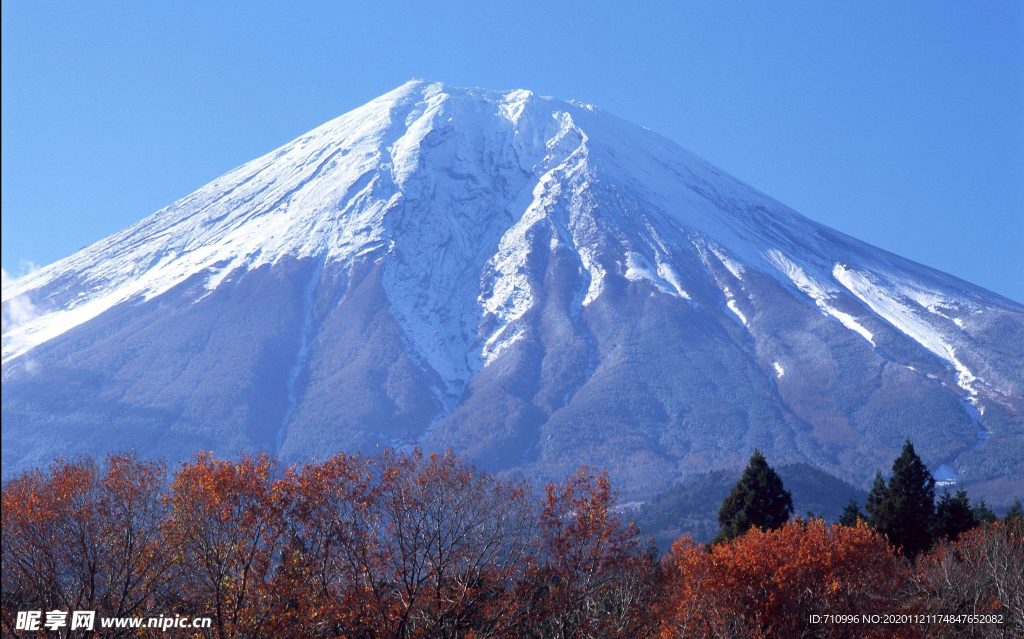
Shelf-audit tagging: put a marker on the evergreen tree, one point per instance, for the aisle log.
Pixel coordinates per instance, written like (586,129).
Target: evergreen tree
(904,515)
(1016,512)
(758,499)
(984,514)
(953,516)
(851,514)
(875,498)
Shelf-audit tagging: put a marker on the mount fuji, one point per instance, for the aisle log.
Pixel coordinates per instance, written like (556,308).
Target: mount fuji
(533,283)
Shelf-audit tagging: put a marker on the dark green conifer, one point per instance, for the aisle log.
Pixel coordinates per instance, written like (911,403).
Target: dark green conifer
(984,514)
(953,516)
(875,498)
(1016,512)
(904,515)
(851,514)
(758,499)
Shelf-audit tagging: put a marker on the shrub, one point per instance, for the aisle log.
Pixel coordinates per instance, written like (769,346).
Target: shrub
(768,583)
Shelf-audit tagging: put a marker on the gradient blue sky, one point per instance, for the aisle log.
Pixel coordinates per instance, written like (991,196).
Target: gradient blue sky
(900,123)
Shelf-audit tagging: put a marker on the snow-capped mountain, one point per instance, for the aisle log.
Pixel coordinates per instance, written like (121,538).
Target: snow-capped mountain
(532,282)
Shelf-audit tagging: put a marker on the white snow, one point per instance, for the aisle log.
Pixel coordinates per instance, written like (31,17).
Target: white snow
(662,276)
(732,265)
(938,304)
(818,291)
(301,200)
(945,475)
(889,306)
(510,290)
(452,192)
(731,303)
(597,274)
(498,343)
(668,274)
(703,248)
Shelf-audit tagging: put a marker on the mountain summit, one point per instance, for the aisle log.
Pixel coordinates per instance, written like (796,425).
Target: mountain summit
(534,283)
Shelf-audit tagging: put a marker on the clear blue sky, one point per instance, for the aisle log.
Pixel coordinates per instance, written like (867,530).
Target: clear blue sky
(900,123)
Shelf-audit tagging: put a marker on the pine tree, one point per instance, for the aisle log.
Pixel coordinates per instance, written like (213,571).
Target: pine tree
(984,514)
(851,514)
(953,516)
(758,499)
(1016,512)
(904,515)
(875,498)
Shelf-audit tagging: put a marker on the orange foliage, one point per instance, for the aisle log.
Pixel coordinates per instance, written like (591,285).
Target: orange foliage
(598,577)
(320,586)
(227,528)
(767,584)
(410,546)
(405,546)
(76,538)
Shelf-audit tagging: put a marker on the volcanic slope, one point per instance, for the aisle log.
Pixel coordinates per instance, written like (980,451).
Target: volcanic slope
(531,282)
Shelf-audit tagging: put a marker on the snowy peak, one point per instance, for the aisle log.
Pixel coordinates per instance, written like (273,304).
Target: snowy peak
(336,193)
(428,166)
(504,228)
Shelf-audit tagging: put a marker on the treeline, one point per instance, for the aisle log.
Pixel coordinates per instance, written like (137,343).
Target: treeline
(408,546)
(903,509)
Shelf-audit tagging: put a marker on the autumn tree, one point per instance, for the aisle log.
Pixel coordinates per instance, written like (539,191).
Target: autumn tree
(980,573)
(411,546)
(405,545)
(769,583)
(322,587)
(85,536)
(452,544)
(228,532)
(597,575)
(758,500)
